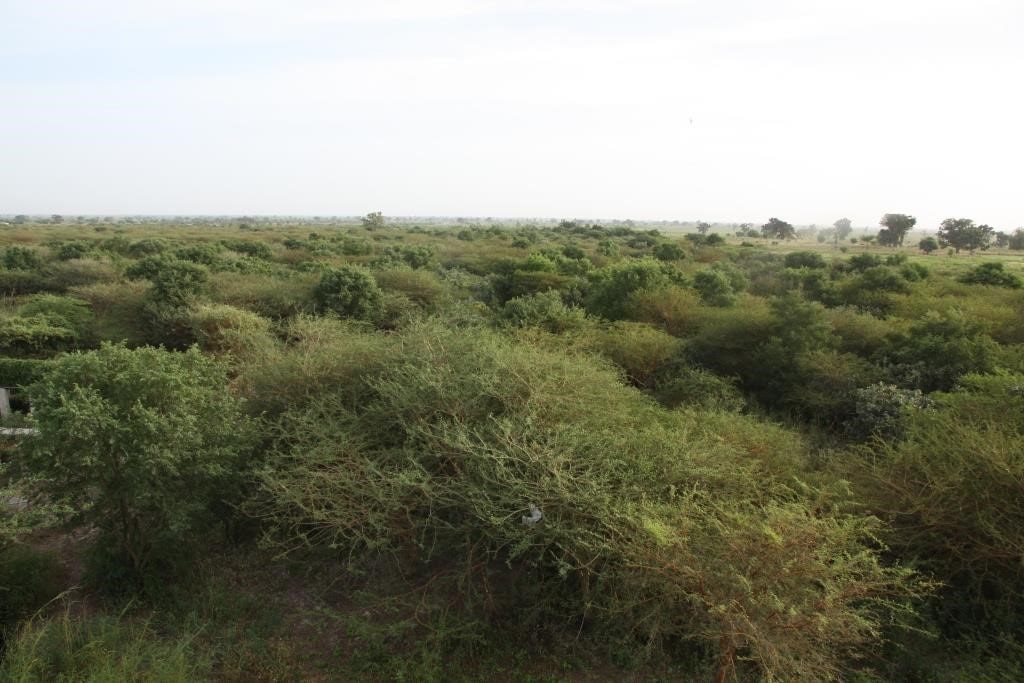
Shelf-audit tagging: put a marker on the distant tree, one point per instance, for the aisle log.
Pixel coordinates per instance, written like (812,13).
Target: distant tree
(898,224)
(807,232)
(778,229)
(703,228)
(887,238)
(963,233)
(842,229)
(1016,240)
(20,219)
(928,245)
(1002,239)
(56,218)
(747,230)
(373,220)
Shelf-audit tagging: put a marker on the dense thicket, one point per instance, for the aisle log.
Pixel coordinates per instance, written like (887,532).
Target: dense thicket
(745,462)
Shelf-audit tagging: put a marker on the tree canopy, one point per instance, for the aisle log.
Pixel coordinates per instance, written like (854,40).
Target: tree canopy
(964,233)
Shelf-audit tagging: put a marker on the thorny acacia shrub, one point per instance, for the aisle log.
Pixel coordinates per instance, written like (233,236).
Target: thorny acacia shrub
(651,525)
(952,487)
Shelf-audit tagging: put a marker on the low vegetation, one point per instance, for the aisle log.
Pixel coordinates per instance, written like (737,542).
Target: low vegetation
(372,450)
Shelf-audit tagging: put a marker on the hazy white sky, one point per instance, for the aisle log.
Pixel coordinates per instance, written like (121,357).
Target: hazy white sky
(734,110)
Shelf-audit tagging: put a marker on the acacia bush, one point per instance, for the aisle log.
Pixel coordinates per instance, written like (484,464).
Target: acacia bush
(422,287)
(545,310)
(951,488)
(277,298)
(611,287)
(320,356)
(539,485)
(65,311)
(675,309)
(679,384)
(640,350)
(242,335)
(350,292)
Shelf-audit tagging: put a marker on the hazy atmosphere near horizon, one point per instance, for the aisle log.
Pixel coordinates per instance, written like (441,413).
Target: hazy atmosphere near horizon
(725,111)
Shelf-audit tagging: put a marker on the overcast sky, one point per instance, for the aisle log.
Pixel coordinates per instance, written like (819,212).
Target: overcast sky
(734,110)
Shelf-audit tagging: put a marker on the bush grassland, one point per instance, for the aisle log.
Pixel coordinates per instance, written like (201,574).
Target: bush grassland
(379,450)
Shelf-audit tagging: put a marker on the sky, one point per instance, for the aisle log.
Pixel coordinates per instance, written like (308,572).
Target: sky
(725,111)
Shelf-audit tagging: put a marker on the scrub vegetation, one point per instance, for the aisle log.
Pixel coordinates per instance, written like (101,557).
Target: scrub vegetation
(372,449)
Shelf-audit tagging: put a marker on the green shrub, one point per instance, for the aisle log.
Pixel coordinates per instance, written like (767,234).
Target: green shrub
(257,250)
(639,349)
(65,311)
(205,254)
(17,282)
(143,444)
(350,292)
(862,262)
(532,483)
(805,259)
(321,356)
(545,310)
(857,332)
(951,487)
(148,247)
(273,297)
(821,385)
(612,286)
(681,385)
(991,273)
(29,335)
(420,286)
(75,250)
(21,258)
(175,282)
(936,350)
(226,330)
(20,372)
(675,309)
(117,309)
(882,410)
(419,256)
(79,273)
(714,288)
(669,251)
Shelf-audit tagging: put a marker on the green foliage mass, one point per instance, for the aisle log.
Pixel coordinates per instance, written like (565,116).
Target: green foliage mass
(457,435)
(147,445)
(350,292)
(991,273)
(564,441)
(612,286)
(950,487)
